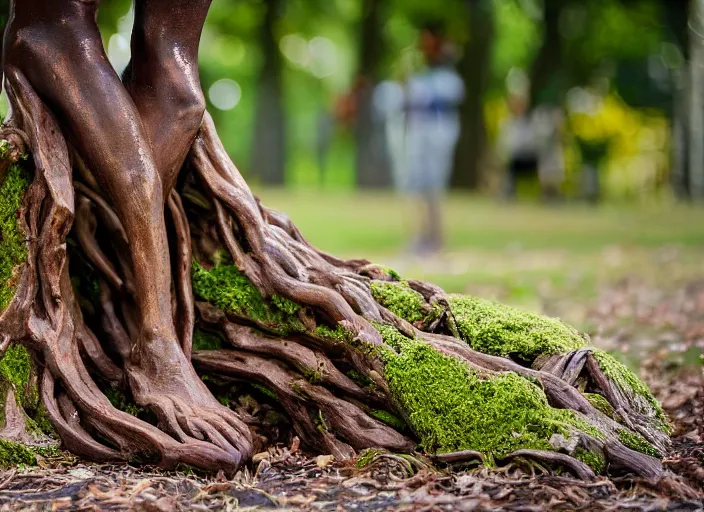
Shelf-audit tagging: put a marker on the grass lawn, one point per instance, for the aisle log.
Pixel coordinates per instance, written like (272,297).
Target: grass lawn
(526,254)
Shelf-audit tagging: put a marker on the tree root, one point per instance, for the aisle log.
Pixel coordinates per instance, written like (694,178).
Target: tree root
(304,326)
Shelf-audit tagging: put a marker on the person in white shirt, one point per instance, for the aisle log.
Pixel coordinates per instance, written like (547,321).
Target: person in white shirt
(422,128)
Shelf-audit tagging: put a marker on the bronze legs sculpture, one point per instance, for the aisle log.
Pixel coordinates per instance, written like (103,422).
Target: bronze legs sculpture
(133,137)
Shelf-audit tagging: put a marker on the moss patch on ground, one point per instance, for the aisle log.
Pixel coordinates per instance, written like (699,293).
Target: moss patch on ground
(227,288)
(13,249)
(451,407)
(506,331)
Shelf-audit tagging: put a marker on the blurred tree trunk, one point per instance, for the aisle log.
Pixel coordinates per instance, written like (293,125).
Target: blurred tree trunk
(549,57)
(269,143)
(696,102)
(475,69)
(677,18)
(371,159)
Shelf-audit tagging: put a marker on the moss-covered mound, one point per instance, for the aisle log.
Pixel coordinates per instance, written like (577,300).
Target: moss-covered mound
(451,407)
(13,249)
(505,331)
(501,330)
(446,403)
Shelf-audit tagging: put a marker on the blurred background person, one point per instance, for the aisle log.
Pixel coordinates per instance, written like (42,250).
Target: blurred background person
(422,128)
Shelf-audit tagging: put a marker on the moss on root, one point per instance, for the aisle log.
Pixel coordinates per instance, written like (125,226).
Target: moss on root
(229,289)
(506,331)
(595,460)
(451,407)
(600,403)
(13,249)
(119,401)
(400,299)
(15,454)
(203,340)
(389,418)
(391,273)
(339,333)
(447,404)
(16,369)
(637,442)
(43,422)
(632,387)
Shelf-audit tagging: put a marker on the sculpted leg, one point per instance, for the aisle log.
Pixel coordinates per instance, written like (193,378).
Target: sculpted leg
(162,78)
(66,64)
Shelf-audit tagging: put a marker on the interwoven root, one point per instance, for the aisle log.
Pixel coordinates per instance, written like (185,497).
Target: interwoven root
(314,337)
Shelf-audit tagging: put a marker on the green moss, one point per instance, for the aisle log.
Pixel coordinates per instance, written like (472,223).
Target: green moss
(500,330)
(48,451)
(339,333)
(264,390)
(15,454)
(389,418)
(632,387)
(367,456)
(16,368)
(451,407)
(401,300)
(361,380)
(119,401)
(43,423)
(636,442)
(313,376)
(594,460)
(203,340)
(600,403)
(13,249)
(390,272)
(229,289)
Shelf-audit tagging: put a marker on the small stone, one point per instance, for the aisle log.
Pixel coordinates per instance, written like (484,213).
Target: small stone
(81,473)
(324,460)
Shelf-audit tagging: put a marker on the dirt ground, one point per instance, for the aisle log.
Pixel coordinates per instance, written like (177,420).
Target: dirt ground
(662,329)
